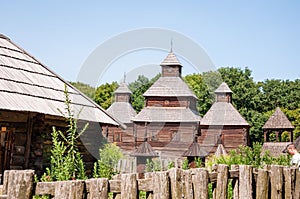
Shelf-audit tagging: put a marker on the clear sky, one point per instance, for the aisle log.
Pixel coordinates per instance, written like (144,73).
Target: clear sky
(261,35)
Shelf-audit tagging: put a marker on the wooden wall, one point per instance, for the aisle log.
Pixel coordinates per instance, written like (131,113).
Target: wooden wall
(230,136)
(171,139)
(171,102)
(32,140)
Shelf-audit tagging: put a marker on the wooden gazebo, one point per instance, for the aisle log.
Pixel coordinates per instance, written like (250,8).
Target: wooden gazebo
(277,123)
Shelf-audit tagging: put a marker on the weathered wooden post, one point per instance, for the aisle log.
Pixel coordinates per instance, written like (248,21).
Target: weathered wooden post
(161,185)
(288,186)
(276,178)
(245,181)
(262,185)
(69,189)
(187,185)
(222,181)
(176,182)
(235,183)
(97,188)
(18,184)
(129,186)
(149,195)
(297,184)
(200,183)
(213,181)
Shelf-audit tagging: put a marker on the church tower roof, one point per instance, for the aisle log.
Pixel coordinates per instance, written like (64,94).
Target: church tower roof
(171,60)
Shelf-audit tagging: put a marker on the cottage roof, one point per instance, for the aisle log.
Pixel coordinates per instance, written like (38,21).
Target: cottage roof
(166,114)
(275,148)
(28,85)
(123,88)
(145,150)
(170,60)
(195,150)
(223,113)
(123,111)
(169,87)
(278,120)
(223,88)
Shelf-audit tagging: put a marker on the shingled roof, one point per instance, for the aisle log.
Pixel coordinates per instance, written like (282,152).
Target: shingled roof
(123,88)
(278,120)
(169,87)
(145,150)
(275,148)
(28,85)
(195,150)
(167,114)
(170,60)
(223,113)
(223,88)
(122,110)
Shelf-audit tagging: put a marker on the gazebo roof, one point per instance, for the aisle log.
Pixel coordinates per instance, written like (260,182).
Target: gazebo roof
(28,85)
(145,150)
(195,150)
(278,120)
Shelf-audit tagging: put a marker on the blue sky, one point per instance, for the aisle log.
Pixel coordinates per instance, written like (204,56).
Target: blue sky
(261,35)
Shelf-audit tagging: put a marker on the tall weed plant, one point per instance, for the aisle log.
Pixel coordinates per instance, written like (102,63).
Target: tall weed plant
(66,161)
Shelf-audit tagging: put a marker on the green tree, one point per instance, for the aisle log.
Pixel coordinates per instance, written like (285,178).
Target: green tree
(280,93)
(85,88)
(104,94)
(201,90)
(138,88)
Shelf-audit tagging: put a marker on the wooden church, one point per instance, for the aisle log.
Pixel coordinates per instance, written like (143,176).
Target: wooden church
(169,121)
(169,125)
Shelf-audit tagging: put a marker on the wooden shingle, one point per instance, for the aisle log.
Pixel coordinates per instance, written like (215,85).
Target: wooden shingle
(278,120)
(28,85)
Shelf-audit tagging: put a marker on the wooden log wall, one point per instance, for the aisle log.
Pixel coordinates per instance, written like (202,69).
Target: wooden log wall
(230,136)
(32,140)
(274,182)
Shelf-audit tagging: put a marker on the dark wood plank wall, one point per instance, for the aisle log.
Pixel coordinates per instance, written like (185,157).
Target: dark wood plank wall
(230,136)
(171,138)
(33,152)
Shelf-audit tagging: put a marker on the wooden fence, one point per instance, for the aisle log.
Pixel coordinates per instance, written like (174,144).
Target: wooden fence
(247,183)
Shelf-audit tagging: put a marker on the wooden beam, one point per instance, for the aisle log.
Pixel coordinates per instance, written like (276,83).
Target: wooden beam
(28,139)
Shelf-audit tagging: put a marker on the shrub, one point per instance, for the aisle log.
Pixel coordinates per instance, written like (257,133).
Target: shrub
(109,158)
